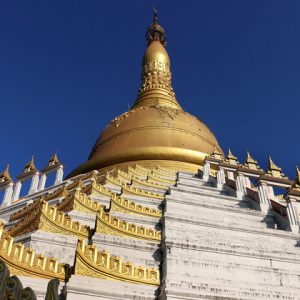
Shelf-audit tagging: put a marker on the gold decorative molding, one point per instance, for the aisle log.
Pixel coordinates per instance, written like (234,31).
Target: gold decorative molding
(137,180)
(97,189)
(108,224)
(142,169)
(163,171)
(93,175)
(89,261)
(24,261)
(59,193)
(114,180)
(34,206)
(132,190)
(77,184)
(81,202)
(137,172)
(127,206)
(47,218)
(163,176)
(123,174)
(160,179)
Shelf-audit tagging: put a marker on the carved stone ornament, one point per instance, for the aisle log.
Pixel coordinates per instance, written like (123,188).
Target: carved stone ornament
(11,287)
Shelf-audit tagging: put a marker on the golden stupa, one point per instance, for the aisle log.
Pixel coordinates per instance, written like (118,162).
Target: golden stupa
(156,130)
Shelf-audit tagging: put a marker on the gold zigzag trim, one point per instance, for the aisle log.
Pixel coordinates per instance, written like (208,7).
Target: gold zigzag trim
(123,174)
(108,224)
(166,171)
(24,261)
(158,174)
(48,218)
(161,179)
(98,189)
(137,172)
(153,184)
(124,205)
(128,189)
(142,169)
(89,261)
(81,202)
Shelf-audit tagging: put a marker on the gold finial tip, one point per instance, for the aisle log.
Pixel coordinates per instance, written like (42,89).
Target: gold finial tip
(155,13)
(156,32)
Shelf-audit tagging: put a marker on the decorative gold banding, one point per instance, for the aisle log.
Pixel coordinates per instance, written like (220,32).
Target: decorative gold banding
(131,190)
(97,189)
(91,262)
(137,180)
(137,172)
(166,171)
(161,179)
(81,202)
(48,218)
(24,261)
(159,174)
(124,205)
(128,189)
(108,224)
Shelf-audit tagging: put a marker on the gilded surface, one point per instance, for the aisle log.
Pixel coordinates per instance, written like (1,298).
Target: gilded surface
(22,260)
(48,218)
(155,128)
(273,170)
(250,163)
(91,262)
(108,224)
(128,206)
(79,201)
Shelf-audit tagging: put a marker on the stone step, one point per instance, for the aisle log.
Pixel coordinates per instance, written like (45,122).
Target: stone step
(201,215)
(88,288)
(265,244)
(228,290)
(190,203)
(201,188)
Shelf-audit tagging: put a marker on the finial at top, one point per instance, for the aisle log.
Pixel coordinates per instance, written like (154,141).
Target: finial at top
(156,32)
(155,14)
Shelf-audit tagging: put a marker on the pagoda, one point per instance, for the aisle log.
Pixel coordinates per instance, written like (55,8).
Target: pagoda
(156,212)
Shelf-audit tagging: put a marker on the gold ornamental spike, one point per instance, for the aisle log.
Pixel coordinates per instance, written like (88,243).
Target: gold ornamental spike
(5,176)
(30,165)
(231,159)
(53,163)
(274,170)
(296,185)
(156,88)
(251,163)
(29,169)
(216,154)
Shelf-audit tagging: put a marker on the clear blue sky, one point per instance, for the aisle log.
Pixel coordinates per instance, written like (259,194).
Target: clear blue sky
(68,67)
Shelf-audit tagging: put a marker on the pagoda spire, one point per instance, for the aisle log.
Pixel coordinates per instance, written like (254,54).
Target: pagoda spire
(156,88)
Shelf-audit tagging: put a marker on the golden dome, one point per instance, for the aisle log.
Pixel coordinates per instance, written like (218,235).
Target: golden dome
(156,130)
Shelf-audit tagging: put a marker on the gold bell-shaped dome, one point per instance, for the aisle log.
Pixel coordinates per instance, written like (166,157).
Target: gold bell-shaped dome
(156,130)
